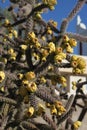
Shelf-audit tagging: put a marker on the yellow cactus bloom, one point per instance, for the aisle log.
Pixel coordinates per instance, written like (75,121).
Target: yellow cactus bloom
(25,82)
(2,88)
(41,109)
(47,105)
(20,75)
(2,76)
(31,35)
(36,56)
(58,50)
(42,80)
(43,38)
(74,87)
(77,124)
(77,71)
(62,79)
(53,23)
(30,111)
(7,22)
(74,64)
(44,52)
(10,51)
(50,3)
(57,59)
(43,59)
(38,15)
(72,42)
(81,63)
(69,49)
(30,75)
(53,110)
(23,47)
(4,60)
(10,35)
(57,104)
(32,87)
(74,58)
(51,47)
(49,31)
(15,33)
(65,38)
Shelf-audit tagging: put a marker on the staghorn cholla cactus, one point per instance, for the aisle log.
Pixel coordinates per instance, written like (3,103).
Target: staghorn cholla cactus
(30,57)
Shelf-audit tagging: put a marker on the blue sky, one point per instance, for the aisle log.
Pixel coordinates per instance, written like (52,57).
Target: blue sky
(61,11)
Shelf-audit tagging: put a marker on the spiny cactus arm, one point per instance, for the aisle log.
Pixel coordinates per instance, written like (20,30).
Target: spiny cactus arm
(29,58)
(8,100)
(65,116)
(78,37)
(45,96)
(33,101)
(43,126)
(38,8)
(11,41)
(28,125)
(42,69)
(76,9)
(69,103)
(82,115)
(63,26)
(49,121)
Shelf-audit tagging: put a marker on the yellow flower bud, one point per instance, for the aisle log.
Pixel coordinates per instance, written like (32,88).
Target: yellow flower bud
(2,76)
